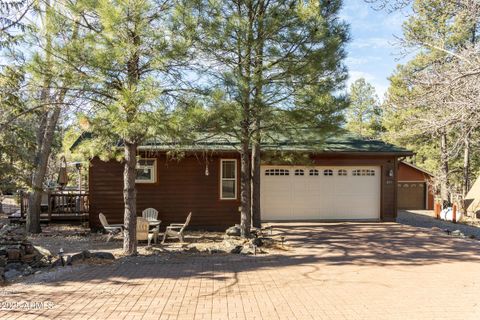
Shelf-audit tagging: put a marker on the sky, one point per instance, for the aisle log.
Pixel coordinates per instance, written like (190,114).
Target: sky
(372,51)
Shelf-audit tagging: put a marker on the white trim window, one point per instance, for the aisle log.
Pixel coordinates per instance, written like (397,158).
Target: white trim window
(146,171)
(228,179)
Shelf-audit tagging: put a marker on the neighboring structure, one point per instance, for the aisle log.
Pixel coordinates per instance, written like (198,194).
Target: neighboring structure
(472,199)
(345,178)
(414,192)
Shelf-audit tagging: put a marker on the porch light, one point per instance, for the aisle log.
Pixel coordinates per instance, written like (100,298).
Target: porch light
(390,173)
(206,170)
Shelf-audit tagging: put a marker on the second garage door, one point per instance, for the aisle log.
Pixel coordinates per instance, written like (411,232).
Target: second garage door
(320,193)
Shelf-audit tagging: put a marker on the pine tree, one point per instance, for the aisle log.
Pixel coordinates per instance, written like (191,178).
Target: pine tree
(426,93)
(273,65)
(132,53)
(364,112)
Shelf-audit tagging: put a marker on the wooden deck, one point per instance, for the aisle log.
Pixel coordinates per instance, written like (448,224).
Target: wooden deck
(68,207)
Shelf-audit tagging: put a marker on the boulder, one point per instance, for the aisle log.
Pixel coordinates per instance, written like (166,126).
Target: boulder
(457,233)
(246,250)
(233,231)
(42,251)
(257,242)
(11,274)
(236,250)
(103,255)
(75,258)
(3,261)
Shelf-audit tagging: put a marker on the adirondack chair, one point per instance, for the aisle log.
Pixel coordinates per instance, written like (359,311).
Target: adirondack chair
(143,232)
(150,214)
(112,229)
(175,230)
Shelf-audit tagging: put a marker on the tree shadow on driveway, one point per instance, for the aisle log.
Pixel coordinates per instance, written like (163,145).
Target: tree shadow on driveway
(313,245)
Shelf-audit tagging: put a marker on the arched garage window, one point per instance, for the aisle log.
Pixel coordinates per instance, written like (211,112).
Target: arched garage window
(313,172)
(277,172)
(363,172)
(342,172)
(299,172)
(328,172)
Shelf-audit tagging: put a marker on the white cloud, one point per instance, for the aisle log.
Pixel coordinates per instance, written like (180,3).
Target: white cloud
(355,61)
(373,43)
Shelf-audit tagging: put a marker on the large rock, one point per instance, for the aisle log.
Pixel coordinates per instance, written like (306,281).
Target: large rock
(103,255)
(233,231)
(11,274)
(236,250)
(256,242)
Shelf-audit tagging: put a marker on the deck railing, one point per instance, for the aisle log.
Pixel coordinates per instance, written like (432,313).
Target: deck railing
(59,205)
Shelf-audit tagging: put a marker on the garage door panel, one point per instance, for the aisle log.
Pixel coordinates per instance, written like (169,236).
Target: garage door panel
(344,193)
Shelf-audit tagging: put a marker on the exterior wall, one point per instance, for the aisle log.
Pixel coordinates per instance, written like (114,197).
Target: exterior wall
(181,187)
(388,199)
(409,174)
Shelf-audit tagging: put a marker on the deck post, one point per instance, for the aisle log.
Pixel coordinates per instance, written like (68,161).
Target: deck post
(49,197)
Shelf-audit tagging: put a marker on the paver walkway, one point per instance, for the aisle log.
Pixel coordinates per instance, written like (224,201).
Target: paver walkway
(335,271)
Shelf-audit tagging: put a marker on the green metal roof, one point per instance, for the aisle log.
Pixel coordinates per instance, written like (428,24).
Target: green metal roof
(297,141)
(303,140)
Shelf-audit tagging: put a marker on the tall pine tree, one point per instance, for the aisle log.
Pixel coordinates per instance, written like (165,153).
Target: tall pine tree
(272,65)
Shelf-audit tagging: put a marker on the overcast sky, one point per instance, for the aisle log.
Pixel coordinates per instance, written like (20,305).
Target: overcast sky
(372,53)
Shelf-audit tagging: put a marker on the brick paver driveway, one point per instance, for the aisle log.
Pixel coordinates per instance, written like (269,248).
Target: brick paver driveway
(335,271)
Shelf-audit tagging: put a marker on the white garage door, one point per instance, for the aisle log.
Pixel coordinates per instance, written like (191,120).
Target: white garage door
(329,193)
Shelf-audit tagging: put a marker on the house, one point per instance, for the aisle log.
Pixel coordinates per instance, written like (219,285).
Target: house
(302,178)
(414,192)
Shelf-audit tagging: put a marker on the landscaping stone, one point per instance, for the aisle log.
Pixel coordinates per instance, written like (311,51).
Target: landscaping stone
(236,250)
(257,242)
(457,233)
(103,255)
(11,274)
(233,231)
(17,255)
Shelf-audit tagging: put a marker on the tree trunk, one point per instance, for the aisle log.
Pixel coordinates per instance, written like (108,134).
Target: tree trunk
(130,199)
(466,165)
(42,156)
(257,115)
(444,186)
(256,215)
(245,180)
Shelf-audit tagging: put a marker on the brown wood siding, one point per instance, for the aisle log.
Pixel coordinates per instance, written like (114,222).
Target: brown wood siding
(407,173)
(181,187)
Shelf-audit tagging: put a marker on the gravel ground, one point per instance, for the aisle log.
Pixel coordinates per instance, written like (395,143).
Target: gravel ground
(424,219)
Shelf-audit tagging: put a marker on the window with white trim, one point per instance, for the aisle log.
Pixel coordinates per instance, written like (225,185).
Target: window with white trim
(299,172)
(277,172)
(146,171)
(228,179)
(313,172)
(342,172)
(328,172)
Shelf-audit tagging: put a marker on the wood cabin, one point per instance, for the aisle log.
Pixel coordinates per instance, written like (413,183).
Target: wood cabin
(341,178)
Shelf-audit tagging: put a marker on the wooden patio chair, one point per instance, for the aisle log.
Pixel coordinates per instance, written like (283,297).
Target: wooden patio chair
(176,230)
(150,214)
(144,233)
(112,229)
